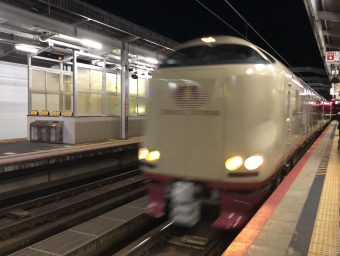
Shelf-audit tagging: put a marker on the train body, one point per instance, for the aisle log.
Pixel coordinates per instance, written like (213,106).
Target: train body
(224,122)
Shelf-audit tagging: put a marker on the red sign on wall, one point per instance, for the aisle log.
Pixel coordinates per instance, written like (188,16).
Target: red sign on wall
(333,56)
(330,56)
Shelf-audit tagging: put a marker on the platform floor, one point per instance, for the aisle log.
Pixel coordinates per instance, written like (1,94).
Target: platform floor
(8,147)
(23,150)
(302,216)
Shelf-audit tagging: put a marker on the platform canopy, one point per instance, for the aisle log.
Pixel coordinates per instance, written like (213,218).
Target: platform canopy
(38,22)
(324,16)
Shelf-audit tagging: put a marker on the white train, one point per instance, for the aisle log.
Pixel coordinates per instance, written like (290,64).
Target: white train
(225,120)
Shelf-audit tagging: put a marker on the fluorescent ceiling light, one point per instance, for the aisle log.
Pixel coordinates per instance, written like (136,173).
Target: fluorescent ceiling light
(151,60)
(100,63)
(91,44)
(67,37)
(26,48)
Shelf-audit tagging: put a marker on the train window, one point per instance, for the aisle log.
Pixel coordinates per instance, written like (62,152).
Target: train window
(272,60)
(215,54)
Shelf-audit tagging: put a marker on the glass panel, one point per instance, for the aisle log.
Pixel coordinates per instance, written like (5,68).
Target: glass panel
(213,55)
(83,81)
(52,82)
(68,83)
(55,66)
(141,86)
(38,80)
(111,83)
(118,83)
(83,104)
(118,105)
(96,80)
(132,86)
(68,102)
(272,60)
(111,104)
(52,102)
(133,106)
(141,105)
(96,104)
(38,102)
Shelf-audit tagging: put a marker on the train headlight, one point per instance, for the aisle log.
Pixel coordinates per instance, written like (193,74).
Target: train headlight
(153,156)
(142,153)
(233,163)
(253,162)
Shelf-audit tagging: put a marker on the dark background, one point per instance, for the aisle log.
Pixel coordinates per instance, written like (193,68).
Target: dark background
(284,24)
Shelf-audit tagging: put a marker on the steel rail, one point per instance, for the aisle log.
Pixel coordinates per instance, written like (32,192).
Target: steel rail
(66,193)
(147,241)
(162,234)
(32,236)
(69,205)
(209,250)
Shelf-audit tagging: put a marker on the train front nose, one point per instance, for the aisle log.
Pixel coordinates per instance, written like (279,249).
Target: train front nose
(184,125)
(186,110)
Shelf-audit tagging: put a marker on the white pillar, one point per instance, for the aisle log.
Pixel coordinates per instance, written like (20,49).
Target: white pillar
(75,73)
(124,114)
(29,79)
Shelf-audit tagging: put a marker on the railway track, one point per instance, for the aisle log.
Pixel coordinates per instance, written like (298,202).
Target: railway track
(29,222)
(201,240)
(169,240)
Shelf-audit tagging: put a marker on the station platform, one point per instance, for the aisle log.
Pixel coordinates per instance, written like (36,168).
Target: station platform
(302,216)
(29,167)
(23,154)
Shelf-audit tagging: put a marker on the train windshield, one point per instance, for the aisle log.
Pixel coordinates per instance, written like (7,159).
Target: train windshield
(215,54)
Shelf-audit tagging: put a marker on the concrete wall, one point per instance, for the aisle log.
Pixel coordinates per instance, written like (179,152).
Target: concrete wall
(13,100)
(90,129)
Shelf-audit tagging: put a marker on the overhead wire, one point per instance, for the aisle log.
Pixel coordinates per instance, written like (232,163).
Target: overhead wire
(221,20)
(256,32)
(247,24)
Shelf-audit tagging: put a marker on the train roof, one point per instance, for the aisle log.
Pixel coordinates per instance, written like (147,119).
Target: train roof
(215,40)
(239,41)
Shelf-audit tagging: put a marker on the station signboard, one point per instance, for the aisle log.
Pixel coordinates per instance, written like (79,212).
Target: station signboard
(333,56)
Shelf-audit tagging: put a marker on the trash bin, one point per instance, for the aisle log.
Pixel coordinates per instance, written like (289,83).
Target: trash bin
(46,131)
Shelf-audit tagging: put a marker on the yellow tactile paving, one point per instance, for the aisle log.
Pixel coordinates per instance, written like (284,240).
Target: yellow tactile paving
(325,237)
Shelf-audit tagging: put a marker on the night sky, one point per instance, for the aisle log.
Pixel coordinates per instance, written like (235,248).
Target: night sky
(284,24)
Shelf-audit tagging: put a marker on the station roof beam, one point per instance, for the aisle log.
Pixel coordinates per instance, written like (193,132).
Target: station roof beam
(332,16)
(319,83)
(315,79)
(324,16)
(16,39)
(309,70)
(6,49)
(320,87)
(84,16)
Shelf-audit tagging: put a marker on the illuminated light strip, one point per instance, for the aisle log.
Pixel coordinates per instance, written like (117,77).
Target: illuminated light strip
(251,231)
